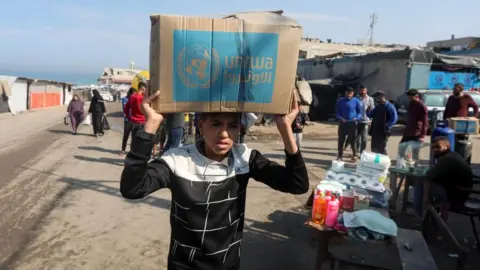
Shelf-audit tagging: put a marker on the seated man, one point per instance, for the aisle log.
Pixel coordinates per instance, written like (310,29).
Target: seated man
(208,182)
(449,173)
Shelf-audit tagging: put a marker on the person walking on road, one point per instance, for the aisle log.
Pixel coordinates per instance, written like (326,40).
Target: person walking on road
(362,126)
(383,116)
(208,182)
(417,121)
(127,125)
(75,112)
(348,112)
(98,111)
(133,110)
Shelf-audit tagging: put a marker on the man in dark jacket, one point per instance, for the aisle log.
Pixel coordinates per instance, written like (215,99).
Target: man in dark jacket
(450,172)
(383,116)
(348,112)
(417,120)
(459,103)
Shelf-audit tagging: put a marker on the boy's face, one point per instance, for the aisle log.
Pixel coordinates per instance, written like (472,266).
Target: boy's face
(220,131)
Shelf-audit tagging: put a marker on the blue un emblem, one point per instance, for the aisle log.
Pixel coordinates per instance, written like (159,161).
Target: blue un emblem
(198,67)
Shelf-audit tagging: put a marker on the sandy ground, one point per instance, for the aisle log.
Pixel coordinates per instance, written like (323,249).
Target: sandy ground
(80,221)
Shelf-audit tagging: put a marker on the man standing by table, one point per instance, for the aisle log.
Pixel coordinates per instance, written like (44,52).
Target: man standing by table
(348,112)
(417,121)
(362,125)
(458,105)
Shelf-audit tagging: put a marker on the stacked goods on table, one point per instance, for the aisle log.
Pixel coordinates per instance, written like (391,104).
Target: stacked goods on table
(370,173)
(347,195)
(244,62)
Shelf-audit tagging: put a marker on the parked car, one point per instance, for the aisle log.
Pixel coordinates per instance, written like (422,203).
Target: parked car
(435,100)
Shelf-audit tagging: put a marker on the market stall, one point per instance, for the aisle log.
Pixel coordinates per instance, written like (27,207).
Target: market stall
(352,224)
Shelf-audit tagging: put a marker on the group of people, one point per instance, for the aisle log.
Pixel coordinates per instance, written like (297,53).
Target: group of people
(362,116)
(168,135)
(76,113)
(208,179)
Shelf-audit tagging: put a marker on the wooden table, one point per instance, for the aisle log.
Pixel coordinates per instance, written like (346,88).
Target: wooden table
(324,237)
(409,178)
(339,249)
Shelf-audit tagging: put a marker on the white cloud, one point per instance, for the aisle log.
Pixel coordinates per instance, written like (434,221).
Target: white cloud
(317,17)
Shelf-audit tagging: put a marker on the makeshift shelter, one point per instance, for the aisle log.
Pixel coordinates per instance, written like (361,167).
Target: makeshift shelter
(392,72)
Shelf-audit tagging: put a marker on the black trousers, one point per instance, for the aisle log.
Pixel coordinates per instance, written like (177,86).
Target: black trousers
(97,123)
(127,129)
(379,144)
(348,129)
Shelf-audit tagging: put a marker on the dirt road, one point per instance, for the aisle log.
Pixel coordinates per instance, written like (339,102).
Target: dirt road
(61,208)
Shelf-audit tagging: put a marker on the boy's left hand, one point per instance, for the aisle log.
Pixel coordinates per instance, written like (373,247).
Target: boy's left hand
(285,121)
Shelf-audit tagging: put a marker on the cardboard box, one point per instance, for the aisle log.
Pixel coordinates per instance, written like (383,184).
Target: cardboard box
(464,125)
(245,62)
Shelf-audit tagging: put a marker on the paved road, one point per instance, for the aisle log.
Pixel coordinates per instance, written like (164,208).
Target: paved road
(61,209)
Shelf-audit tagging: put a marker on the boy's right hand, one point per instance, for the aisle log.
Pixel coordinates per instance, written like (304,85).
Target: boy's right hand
(152,118)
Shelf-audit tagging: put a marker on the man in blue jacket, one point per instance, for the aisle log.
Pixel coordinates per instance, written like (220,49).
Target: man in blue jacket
(348,112)
(384,116)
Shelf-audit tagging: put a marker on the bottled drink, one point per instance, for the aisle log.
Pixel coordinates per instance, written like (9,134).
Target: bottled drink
(332,213)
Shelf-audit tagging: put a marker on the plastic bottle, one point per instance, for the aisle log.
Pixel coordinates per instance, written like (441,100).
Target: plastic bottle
(322,208)
(332,213)
(316,211)
(315,204)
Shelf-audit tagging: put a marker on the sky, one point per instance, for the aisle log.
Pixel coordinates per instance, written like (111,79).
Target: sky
(84,36)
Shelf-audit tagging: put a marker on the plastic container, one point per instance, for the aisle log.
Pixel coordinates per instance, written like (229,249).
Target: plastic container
(319,209)
(362,199)
(332,213)
(348,200)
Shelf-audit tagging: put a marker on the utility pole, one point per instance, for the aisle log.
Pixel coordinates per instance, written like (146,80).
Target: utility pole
(373,21)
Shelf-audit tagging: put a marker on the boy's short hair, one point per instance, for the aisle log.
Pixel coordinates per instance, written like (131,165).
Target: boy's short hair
(141,84)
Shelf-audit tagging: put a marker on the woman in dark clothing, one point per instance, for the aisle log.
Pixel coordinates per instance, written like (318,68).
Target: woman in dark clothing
(75,112)
(97,109)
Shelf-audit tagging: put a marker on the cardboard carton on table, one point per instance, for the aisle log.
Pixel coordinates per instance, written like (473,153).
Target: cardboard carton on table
(240,63)
(464,125)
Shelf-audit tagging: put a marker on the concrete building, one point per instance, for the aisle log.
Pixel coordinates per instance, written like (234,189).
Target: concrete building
(19,94)
(469,46)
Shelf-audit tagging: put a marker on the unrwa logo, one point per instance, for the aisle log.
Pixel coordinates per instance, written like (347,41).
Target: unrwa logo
(198,67)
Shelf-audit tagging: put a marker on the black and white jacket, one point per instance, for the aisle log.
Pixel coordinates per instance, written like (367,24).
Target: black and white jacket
(208,197)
